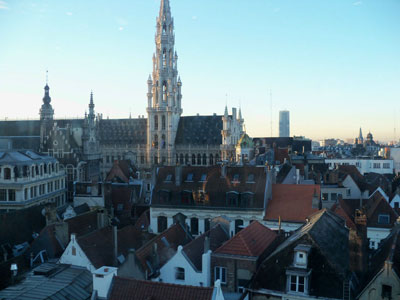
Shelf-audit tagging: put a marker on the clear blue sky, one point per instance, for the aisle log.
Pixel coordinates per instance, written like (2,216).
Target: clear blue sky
(334,64)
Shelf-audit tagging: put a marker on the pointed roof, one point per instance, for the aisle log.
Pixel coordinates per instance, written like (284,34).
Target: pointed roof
(250,241)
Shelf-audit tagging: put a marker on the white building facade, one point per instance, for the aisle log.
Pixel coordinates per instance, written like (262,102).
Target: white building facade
(364,165)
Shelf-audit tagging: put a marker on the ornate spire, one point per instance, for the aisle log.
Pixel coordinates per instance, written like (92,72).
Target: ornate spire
(91,115)
(46,111)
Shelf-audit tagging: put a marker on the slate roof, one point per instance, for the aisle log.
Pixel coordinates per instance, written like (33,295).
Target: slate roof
(132,289)
(250,241)
(291,202)
(199,130)
(344,211)
(20,142)
(23,157)
(195,249)
(123,131)
(98,246)
(20,128)
(167,243)
(215,187)
(52,282)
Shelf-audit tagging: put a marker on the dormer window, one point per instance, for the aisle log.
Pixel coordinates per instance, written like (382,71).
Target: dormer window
(250,178)
(235,178)
(298,275)
(301,256)
(203,177)
(189,177)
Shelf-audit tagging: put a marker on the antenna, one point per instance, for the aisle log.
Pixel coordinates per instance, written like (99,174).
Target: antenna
(47,77)
(270,100)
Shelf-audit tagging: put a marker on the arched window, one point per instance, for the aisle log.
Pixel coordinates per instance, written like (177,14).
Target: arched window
(199,159)
(155,141)
(193,159)
(211,160)
(164,91)
(163,122)
(194,226)
(164,57)
(204,159)
(156,122)
(186,159)
(181,159)
(163,141)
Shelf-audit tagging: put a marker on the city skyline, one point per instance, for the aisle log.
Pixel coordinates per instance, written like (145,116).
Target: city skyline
(235,59)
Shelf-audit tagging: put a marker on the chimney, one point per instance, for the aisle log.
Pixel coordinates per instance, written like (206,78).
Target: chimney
(101,219)
(223,170)
(206,244)
(115,244)
(178,175)
(316,200)
(61,232)
(102,280)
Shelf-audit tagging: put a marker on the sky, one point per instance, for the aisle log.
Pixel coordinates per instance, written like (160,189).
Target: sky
(335,65)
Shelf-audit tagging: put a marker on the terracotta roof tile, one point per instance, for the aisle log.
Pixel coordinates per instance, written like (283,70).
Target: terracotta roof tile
(132,289)
(291,202)
(251,241)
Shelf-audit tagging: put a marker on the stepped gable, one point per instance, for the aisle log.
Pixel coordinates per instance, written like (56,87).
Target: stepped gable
(199,130)
(123,131)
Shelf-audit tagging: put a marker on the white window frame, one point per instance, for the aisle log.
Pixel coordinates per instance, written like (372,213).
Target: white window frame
(218,271)
(297,284)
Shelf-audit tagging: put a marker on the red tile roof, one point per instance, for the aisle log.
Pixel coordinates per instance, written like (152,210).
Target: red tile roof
(342,212)
(132,289)
(291,202)
(250,241)
(143,222)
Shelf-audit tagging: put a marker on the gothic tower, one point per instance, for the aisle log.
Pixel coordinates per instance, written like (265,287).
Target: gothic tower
(164,93)
(91,145)
(46,114)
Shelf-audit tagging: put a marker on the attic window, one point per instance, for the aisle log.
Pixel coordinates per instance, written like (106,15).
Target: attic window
(384,219)
(250,178)
(179,273)
(189,177)
(236,178)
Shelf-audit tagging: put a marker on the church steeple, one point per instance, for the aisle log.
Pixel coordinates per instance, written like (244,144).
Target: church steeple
(46,111)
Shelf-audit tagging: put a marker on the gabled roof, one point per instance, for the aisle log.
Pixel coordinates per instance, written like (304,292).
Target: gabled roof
(195,249)
(250,241)
(375,206)
(328,233)
(132,289)
(98,246)
(121,170)
(291,202)
(344,211)
(167,242)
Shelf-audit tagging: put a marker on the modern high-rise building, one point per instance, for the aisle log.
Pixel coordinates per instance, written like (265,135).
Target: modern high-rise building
(284,124)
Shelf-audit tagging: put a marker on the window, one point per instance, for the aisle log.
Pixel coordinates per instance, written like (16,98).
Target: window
(73,251)
(203,177)
(232,198)
(204,159)
(334,196)
(194,226)
(386,165)
(250,178)
(220,273)
(384,219)
(156,122)
(348,192)
(236,178)
(211,159)
(238,225)
(25,194)
(168,178)
(297,283)
(377,165)
(386,291)
(186,159)
(325,196)
(186,197)
(199,159)
(163,122)
(396,205)
(7,173)
(3,195)
(193,159)
(161,223)
(180,273)
(11,195)
(181,159)
(189,177)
